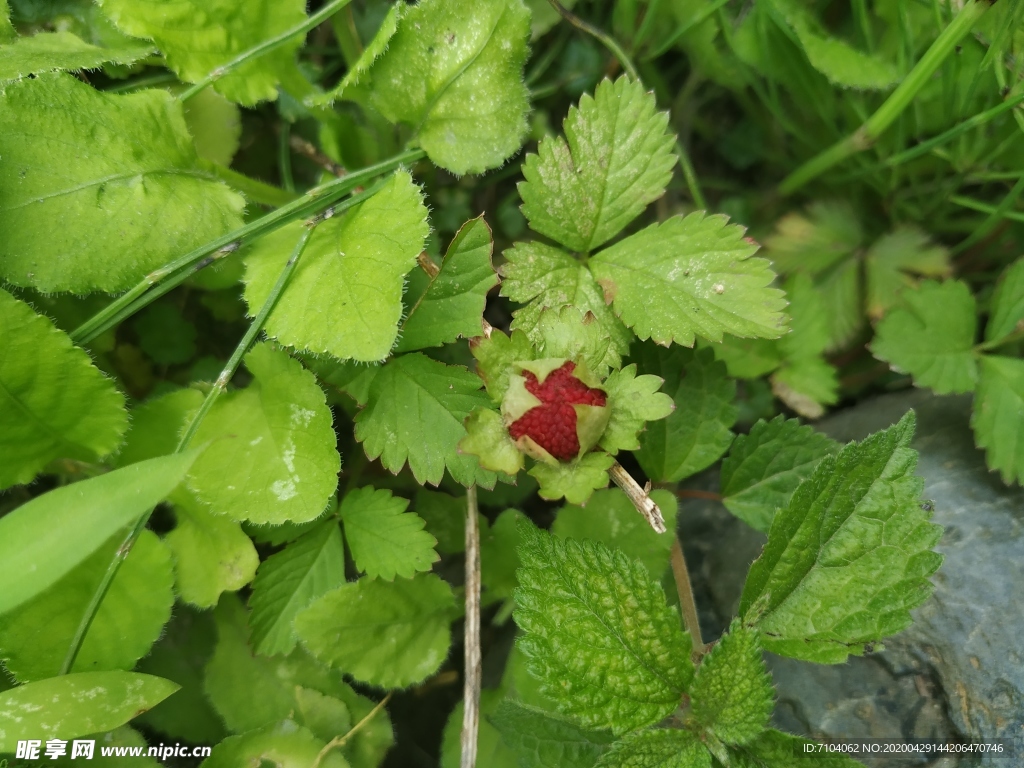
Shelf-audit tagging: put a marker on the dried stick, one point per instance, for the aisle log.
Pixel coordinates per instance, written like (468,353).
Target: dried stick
(685,590)
(471,685)
(639,496)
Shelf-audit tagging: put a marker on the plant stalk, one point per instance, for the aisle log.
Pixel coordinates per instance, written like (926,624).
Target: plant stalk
(473,663)
(640,497)
(685,590)
(341,741)
(601,36)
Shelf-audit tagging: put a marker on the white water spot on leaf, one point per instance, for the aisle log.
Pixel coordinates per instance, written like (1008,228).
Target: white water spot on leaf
(284,489)
(302,416)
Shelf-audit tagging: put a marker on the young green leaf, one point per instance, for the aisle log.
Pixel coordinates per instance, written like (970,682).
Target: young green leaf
(290,580)
(47,537)
(765,466)
(54,403)
(932,337)
(389,635)
(487,438)
(690,276)
(543,740)
(34,637)
(62,50)
(574,481)
(775,749)
(1007,314)
(996,417)
(605,667)
(285,745)
(806,385)
(697,432)
(125,203)
(893,258)
(273,456)
(386,541)
(345,297)
(373,51)
(197,41)
(657,748)
(450,304)
(616,159)
(467,104)
(849,556)
(828,233)
(732,695)
(414,413)
(88,702)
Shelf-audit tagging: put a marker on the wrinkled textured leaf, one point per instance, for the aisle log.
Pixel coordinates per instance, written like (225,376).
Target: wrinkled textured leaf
(605,668)
(543,740)
(998,407)
(690,276)
(574,481)
(390,635)
(572,334)
(466,101)
(54,403)
(61,50)
(849,556)
(1007,304)
(125,203)
(616,158)
(345,296)
(385,540)
(657,748)
(283,745)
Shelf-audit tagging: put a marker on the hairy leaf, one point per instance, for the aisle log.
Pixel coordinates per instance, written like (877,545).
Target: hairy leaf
(604,666)
(373,50)
(1007,315)
(385,540)
(62,50)
(125,201)
(657,748)
(996,417)
(543,740)
(574,481)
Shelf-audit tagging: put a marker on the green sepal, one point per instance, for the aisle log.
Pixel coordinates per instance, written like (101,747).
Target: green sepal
(576,480)
(575,335)
(632,402)
(518,399)
(487,438)
(495,358)
(591,423)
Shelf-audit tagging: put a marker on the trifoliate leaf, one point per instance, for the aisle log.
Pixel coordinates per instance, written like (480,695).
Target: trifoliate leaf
(211,555)
(633,401)
(385,540)
(732,696)
(697,432)
(616,159)
(373,50)
(290,580)
(496,356)
(996,417)
(891,261)
(849,556)
(450,305)
(543,740)
(828,233)
(62,51)
(34,637)
(657,748)
(543,277)
(806,385)
(487,438)
(54,403)
(775,749)
(932,337)
(690,276)
(467,104)
(611,519)
(605,668)
(386,634)
(345,296)
(197,40)
(126,203)
(283,745)
(765,466)
(575,481)
(273,457)
(1007,314)
(414,413)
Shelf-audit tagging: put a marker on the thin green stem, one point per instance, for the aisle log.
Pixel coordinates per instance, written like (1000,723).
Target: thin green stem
(993,218)
(265,47)
(254,189)
(687,605)
(219,386)
(691,177)
(977,205)
(1010,338)
(897,102)
(601,36)
(146,81)
(310,203)
(284,156)
(682,29)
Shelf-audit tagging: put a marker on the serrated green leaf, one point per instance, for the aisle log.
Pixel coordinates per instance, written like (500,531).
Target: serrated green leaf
(467,103)
(616,159)
(50,535)
(414,413)
(634,401)
(543,740)
(611,519)
(574,481)
(487,438)
(806,385)
(389,635)
(352,378)
(197,39)
(812,242)
(495,358)
(775,749)
(373,50)
(288,581)
(849,556)
(61,51)
(282,745)
(54,403)
(84,703)
(367,746)
(445,516)
(34,638)
(7,31)
(996,417)
(385,540)
(573,334)
(732,695)
(893,258)
(1007,313)
(932,337)
(345,296)
(273,457)
(765,466)
(840,289)
(211,555)
(690,276)
(125,203)
(746,358)
(697,432)
(451,304)
(657,748)
(809,333)
(604,667)
(543,277)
